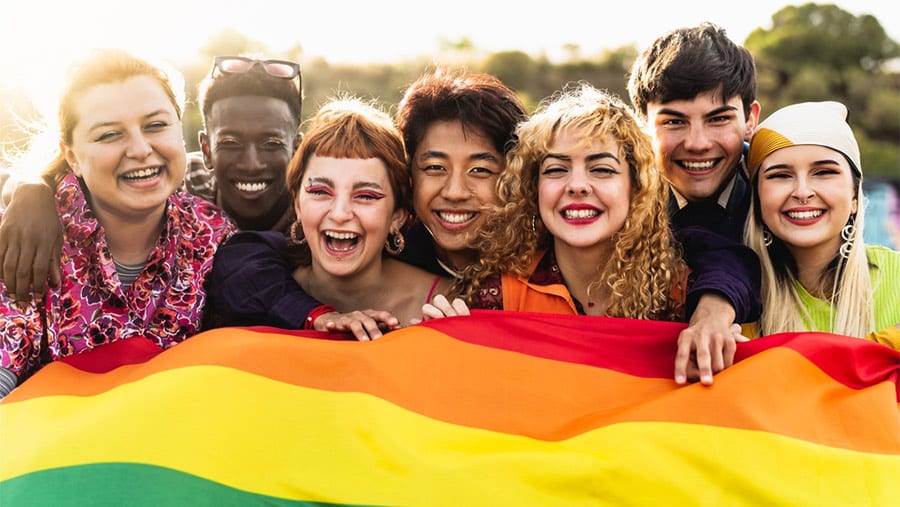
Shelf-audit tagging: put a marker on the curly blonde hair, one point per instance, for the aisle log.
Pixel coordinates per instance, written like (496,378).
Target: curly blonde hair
(645,275)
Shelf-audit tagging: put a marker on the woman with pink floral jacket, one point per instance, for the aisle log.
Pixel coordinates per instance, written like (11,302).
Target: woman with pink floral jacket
(135,252)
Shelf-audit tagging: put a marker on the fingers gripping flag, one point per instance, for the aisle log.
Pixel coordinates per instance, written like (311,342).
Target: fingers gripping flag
(499,408)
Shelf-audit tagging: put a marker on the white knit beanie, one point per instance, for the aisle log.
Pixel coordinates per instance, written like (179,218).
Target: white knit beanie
(819,123)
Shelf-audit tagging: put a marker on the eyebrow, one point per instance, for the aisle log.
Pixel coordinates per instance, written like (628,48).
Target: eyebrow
(590,158)
(484,155)
(322,180)
(776,166)
(366,184)
(719,110)
(825,162)
(236,131)
(104,124)
(433,154)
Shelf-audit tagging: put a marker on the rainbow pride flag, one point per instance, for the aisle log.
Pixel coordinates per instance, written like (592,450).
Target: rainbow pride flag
(496,409)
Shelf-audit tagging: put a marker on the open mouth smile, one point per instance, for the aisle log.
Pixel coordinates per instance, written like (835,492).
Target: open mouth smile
(579,214)
(251,187)
(341,241)
(456,217)
(698,166)
(142,174)
(804,215)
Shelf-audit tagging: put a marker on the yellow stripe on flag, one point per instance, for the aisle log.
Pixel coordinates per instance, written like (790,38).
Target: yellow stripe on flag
(273,438)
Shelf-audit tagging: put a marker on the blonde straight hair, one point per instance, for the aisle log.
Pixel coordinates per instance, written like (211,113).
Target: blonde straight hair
(852,308)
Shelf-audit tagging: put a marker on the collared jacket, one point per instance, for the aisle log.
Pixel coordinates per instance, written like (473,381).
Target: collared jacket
(711,234)
(544,290)
(91,307)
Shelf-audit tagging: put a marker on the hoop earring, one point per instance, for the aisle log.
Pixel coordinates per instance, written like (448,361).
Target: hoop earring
(847,234)
(767,237)
(296,233)
(395,243)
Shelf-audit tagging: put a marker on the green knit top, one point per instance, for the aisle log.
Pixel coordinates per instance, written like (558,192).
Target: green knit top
(885,276)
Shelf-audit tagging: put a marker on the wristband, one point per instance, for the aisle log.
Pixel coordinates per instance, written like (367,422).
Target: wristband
(315,313)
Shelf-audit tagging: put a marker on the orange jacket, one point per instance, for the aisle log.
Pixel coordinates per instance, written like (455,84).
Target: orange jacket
(521,295)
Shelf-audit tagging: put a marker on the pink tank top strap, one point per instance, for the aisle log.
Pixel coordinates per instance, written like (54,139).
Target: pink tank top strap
(437,280)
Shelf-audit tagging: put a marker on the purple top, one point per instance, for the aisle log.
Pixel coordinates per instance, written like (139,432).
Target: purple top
(252,283)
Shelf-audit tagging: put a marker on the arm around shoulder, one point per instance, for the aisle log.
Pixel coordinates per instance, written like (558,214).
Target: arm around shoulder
(252,283)
(721,266)
(30,241)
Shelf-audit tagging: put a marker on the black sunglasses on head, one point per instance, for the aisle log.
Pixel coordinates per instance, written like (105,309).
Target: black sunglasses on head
(240,65)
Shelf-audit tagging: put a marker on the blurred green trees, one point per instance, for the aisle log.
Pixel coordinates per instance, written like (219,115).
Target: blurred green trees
(811,52)
(821,52)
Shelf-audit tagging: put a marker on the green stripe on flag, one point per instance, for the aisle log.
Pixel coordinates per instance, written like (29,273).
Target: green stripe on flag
(130,484)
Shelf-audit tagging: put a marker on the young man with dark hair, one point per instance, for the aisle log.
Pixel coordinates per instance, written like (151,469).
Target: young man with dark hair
(696,89)
(251,116)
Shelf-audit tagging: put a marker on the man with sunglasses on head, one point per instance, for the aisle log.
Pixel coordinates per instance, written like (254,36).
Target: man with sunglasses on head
(251,116)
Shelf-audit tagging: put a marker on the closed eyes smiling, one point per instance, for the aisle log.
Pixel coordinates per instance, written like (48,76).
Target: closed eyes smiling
(318,190)
(371,196)
(328,191)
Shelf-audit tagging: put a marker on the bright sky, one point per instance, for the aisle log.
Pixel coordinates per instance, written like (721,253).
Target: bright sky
(39,34)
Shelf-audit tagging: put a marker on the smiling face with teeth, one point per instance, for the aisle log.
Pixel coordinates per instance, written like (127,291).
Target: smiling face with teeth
(806,196)
(454,172)
(248,142)
(699,142)
(127,146)
(584,190)
(347,207)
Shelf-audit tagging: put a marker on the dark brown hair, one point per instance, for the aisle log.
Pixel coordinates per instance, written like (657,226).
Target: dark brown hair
(689,61)
(481,102)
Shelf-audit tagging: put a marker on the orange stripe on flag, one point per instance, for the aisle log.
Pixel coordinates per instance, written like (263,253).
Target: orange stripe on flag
(777,390)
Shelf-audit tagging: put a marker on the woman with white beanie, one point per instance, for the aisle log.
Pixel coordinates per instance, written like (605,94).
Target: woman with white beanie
(806,224)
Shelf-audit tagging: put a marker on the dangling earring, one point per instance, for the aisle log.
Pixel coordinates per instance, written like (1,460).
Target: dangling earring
(767,237)
(395,243)
(296,233)
(847,235)
(533,218)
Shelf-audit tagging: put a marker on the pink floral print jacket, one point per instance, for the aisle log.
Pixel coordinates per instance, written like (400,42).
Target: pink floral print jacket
(91,307)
